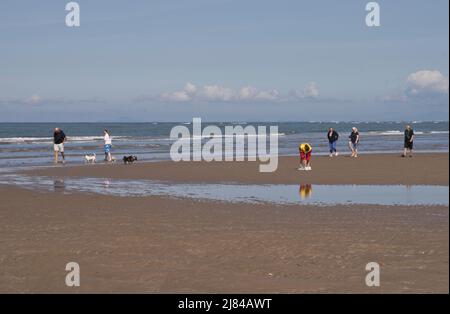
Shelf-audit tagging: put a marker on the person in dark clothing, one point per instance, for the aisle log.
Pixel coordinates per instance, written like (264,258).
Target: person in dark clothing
(409,141)
(333,137)
(353,143)
(58,144)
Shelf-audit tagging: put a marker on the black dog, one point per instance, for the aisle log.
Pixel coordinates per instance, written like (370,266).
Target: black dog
(129,159)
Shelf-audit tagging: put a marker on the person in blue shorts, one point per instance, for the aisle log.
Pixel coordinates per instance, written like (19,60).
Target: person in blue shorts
(108,145)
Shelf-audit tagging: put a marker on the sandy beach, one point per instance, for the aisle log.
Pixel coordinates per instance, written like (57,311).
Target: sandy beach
(87,85)
(166,245)
(367,169)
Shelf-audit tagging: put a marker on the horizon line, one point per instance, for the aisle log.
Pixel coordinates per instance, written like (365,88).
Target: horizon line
(237,121)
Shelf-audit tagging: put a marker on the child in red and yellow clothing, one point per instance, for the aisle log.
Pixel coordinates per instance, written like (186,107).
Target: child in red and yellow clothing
(305,156)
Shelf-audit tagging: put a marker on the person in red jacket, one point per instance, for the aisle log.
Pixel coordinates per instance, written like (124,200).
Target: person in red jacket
(305,156)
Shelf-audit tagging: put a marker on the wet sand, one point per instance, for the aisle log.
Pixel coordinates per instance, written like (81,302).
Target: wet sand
(159,245)
(166,245)
(429,169)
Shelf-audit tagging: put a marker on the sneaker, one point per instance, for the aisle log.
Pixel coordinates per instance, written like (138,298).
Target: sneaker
(331,155)
(301,169)
(336,154)
(308,168)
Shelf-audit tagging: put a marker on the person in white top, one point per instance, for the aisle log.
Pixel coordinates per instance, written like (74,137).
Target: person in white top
(108,144)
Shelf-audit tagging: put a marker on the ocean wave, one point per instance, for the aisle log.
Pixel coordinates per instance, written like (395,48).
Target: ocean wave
(24,139)
(165,138)
(392,132)
(15,140)
(389,132)
(236,135)
(94,138)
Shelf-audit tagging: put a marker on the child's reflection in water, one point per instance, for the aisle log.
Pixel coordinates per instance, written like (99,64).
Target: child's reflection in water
(305,191)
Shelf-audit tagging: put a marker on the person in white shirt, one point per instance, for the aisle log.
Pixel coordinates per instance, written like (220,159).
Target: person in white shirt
(108,144)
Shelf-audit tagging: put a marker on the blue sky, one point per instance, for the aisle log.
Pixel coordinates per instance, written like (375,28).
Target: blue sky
(223,60)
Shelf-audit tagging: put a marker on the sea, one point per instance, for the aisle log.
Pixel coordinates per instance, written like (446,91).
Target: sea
(30,144)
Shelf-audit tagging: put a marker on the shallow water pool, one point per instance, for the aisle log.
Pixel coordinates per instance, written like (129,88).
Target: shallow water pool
(253,193)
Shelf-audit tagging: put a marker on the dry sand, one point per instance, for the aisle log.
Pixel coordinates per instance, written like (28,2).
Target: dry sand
(164,245)
(157,245)
(367,169)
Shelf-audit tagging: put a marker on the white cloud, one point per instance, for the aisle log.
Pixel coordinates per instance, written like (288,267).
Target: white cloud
(187,94)
(247,92)
(268,95)
(426,82)
(220,93)
(217,93)
(310,91)
(34,99)
(190,88)
(251,93)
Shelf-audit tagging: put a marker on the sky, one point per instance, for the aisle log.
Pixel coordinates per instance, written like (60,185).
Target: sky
(224,60)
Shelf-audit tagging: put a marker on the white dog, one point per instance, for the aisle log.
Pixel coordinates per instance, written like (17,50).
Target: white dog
(90,158)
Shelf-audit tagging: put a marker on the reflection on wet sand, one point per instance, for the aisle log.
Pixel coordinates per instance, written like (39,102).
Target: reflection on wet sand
(59,185)
(106,183)
(305,191)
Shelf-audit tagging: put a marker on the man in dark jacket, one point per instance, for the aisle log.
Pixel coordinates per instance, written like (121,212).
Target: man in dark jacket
(333,137)
(58,144)
(409,141)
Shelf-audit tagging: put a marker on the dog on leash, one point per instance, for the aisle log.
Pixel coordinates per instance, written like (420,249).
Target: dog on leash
(129,159)
(90,159)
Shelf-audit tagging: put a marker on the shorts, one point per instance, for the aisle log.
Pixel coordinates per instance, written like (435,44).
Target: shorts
(107,148)
(409,145)
(305,156)
(354,145)
(58,147)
